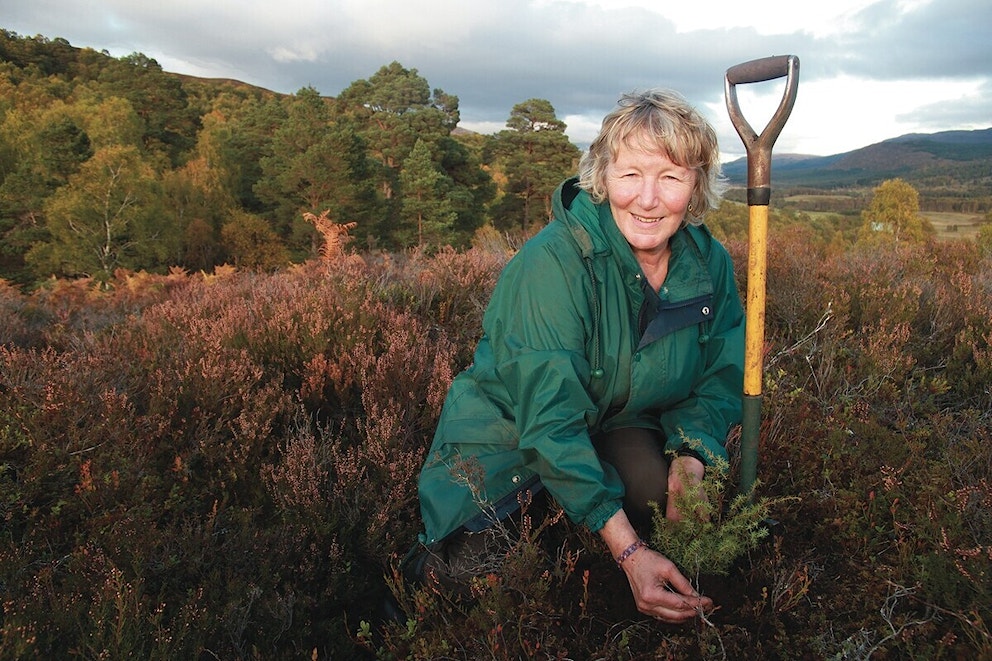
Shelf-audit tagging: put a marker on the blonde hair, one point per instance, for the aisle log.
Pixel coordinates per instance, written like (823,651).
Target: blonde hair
(661,120)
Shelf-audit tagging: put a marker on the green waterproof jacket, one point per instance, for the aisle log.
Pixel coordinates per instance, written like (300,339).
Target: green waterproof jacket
(563,358)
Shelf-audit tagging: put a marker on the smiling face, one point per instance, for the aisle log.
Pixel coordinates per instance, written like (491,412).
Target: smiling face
(649,196)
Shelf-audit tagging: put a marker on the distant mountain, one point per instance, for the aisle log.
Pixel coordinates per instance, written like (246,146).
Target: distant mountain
(950,160)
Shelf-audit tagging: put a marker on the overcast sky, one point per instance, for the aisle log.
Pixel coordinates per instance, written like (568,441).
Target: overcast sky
(870,69)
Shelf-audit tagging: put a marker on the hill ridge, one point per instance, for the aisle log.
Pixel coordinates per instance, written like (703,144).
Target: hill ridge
(964,156)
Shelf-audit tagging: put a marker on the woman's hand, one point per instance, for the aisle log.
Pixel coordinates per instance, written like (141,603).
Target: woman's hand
(684,473)
(660,590)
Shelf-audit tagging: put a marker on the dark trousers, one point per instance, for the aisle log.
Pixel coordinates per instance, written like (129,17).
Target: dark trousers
(638,455)
(639,459)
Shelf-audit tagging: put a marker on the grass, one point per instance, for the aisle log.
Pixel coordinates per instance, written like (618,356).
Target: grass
(951,225)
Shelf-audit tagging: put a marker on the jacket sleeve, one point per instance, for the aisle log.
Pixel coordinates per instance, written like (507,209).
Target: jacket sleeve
(714,405)
(537,322)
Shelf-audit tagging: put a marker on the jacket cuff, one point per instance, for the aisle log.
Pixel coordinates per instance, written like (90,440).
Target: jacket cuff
(701,446)
(686,451)
(603,513)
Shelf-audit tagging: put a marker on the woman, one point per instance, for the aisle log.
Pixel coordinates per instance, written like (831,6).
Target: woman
(610,367)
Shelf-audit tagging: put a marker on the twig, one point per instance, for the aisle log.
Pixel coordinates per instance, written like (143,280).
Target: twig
(944,611)
(89,449)
(820,325)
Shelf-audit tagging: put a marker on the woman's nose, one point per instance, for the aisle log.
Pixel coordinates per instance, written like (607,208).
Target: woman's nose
(647,195)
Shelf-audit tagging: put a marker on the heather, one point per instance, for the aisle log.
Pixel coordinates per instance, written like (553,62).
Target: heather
(223,466)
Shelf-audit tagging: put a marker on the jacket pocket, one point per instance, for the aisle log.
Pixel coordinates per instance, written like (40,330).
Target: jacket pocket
(472,417)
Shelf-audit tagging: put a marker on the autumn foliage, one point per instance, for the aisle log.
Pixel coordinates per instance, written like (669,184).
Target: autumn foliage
(224,466)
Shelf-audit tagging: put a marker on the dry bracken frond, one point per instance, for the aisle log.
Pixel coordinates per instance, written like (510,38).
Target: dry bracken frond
(335,234)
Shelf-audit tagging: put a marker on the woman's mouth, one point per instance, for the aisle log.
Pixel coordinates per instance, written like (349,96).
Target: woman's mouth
(644,219)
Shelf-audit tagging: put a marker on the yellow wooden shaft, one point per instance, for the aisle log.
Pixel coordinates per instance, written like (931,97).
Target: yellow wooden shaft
(754,341)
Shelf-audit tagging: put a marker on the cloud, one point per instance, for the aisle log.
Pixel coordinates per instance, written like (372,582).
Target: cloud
(966,106)
(869,67)
(902,40)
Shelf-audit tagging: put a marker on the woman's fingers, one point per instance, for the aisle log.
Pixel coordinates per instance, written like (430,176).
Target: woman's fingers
(672,599)
(684,609)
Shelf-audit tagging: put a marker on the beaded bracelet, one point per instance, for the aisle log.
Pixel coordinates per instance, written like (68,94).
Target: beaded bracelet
(629,551)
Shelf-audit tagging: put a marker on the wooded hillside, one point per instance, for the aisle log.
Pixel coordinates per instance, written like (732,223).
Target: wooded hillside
(198,173)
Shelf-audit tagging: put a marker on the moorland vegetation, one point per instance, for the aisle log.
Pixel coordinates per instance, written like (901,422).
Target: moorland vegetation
(224,466)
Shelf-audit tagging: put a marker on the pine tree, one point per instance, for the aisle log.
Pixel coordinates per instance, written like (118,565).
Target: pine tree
(318,163)
(534,155)
(719,527)
(426,211)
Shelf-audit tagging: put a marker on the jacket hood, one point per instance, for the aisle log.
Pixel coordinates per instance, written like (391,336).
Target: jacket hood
(573,207)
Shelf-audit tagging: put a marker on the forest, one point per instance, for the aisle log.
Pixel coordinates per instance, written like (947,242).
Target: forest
(217,458)
(112,163)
